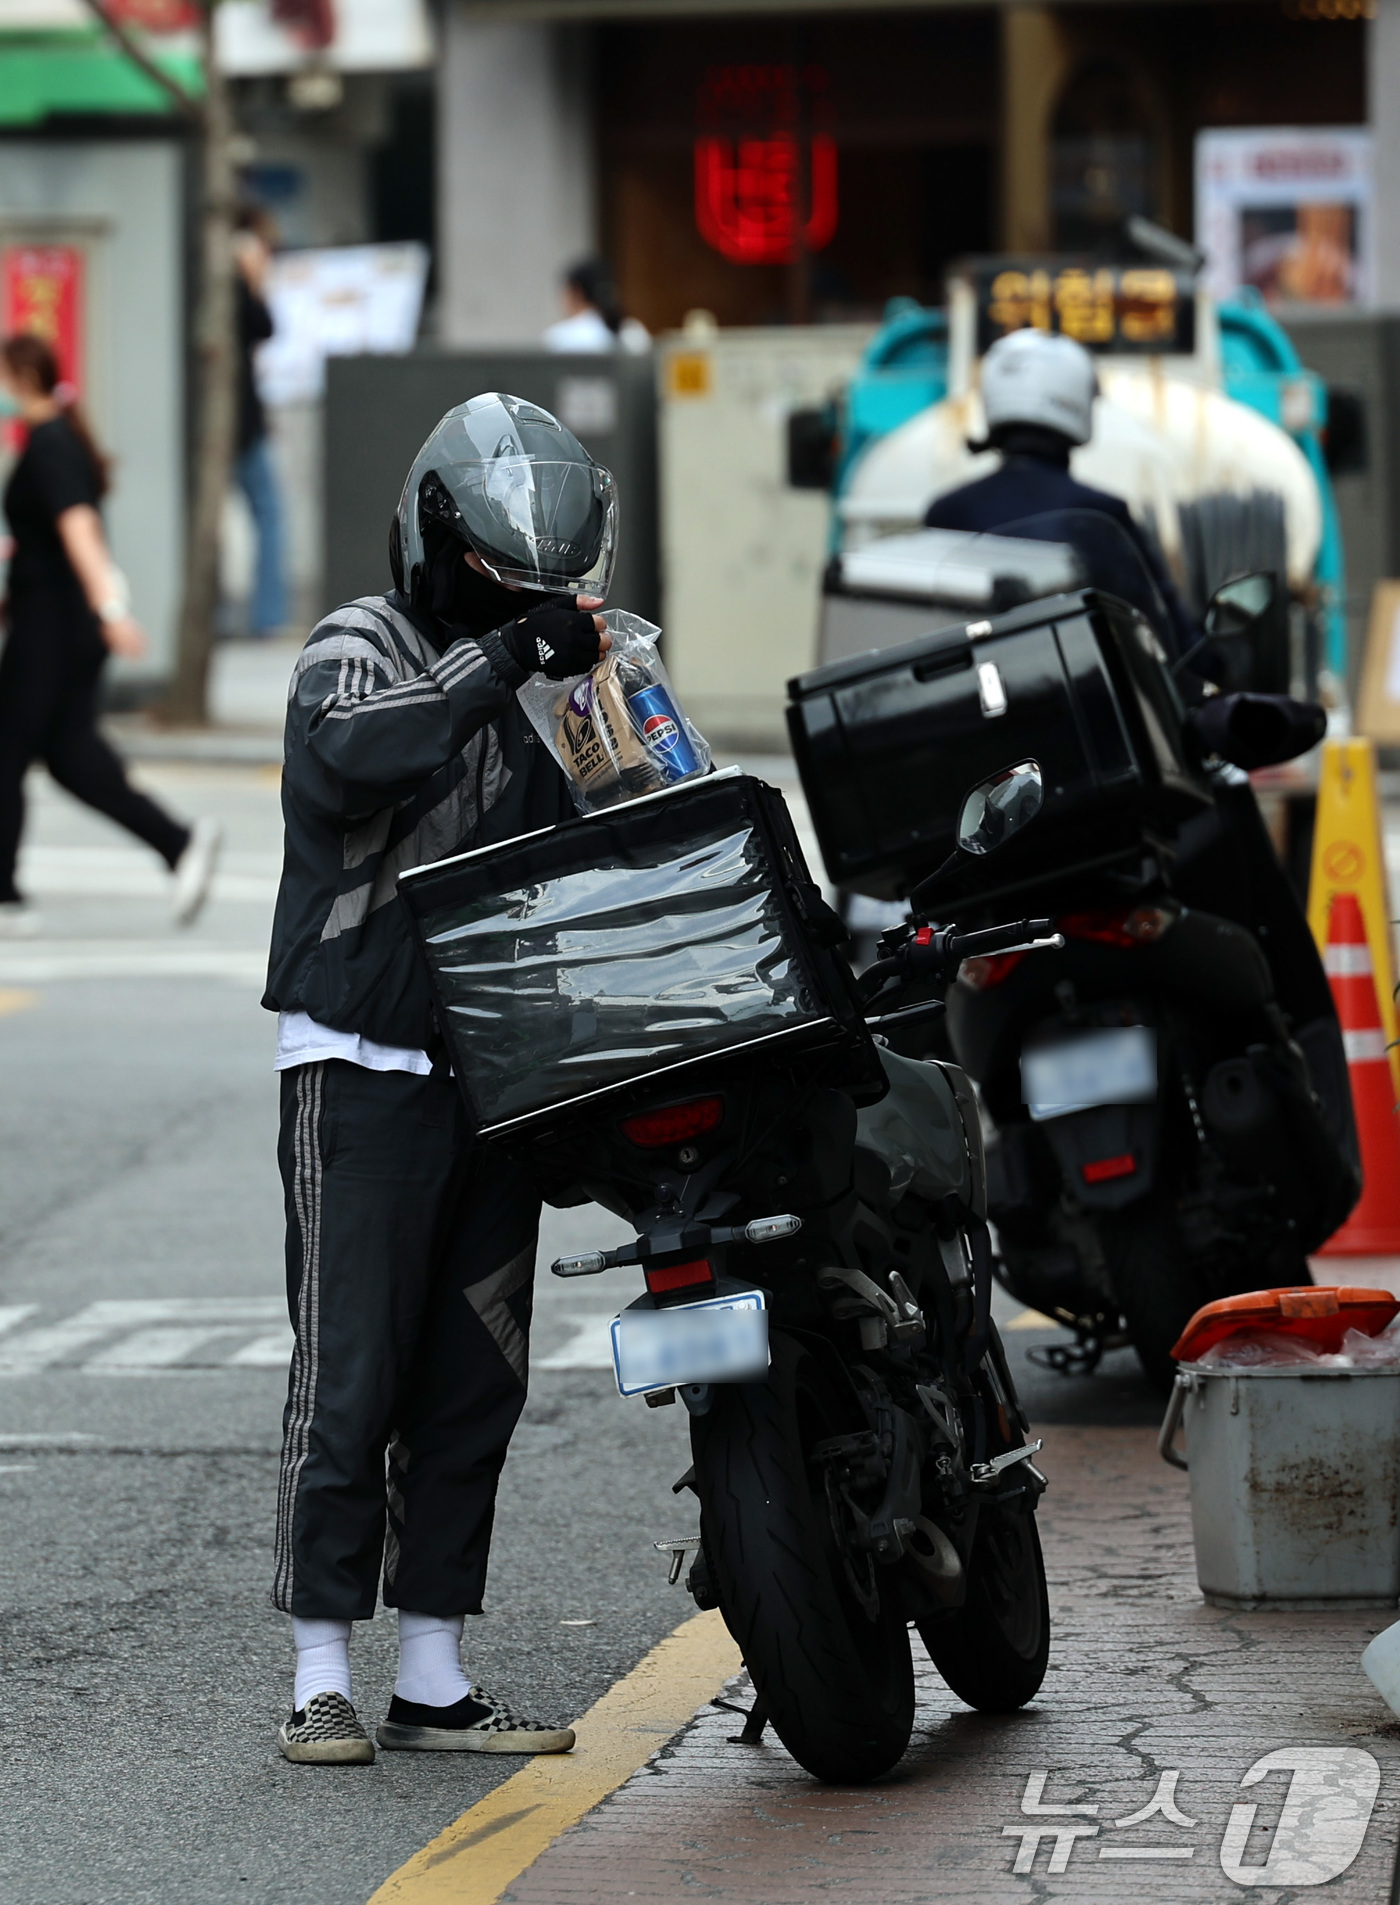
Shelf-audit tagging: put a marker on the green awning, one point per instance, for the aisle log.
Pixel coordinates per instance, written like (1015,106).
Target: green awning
(42,74)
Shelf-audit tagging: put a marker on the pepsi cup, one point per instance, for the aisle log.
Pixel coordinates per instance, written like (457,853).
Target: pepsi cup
(658,721)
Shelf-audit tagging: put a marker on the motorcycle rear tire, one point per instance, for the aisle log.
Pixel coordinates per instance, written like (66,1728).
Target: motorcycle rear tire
(994,1650)
(838,1685)
(1159,1285)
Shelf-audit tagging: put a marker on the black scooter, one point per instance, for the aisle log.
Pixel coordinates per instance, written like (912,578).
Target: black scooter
(1169,1116)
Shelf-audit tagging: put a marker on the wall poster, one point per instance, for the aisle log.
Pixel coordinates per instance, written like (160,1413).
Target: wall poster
(1287,210)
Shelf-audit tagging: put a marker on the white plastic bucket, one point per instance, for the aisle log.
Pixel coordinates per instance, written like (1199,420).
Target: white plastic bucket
(1295,1484)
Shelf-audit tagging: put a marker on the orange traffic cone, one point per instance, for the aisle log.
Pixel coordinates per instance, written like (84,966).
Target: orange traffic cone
(1373,1229)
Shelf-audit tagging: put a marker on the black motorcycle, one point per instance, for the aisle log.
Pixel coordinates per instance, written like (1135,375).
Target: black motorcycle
(651,1007)
(1167,1095)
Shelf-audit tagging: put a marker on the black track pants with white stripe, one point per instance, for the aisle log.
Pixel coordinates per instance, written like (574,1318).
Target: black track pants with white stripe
(410,1265)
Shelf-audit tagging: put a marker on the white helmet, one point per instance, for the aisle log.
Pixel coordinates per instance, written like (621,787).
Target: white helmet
(1032,377)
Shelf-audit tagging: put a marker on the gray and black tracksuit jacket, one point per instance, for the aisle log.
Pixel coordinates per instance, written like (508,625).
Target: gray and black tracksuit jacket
(405,743)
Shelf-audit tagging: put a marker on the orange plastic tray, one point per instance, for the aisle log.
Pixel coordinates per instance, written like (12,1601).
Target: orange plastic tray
(1322,1316)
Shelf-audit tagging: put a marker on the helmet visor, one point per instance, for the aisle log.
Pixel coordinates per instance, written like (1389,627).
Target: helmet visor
(542,525)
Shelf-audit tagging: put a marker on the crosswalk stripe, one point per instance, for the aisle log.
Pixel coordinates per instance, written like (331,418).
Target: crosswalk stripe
(157,1348)
(145,1333)
(590,1346)
(43,962)
(264,1352)
(113,873)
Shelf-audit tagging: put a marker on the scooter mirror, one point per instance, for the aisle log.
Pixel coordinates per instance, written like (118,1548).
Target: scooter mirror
(996,808)
(1237,605)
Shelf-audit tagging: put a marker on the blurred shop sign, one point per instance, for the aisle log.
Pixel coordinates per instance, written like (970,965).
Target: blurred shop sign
(1288,212)
(43,16)
(346,302)
(41,291)
(765,170)
(1119,308)
(347,36)
(262,36)
(156,16)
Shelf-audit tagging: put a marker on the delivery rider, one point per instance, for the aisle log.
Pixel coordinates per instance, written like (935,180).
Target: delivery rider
(410,1256)
(1038,394)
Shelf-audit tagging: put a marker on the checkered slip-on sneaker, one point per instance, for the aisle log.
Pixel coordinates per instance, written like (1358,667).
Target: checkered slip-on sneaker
(477,1723)
(325,1733)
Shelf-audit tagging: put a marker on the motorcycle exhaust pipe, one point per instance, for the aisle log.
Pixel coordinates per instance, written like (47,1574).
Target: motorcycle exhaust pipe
(934,1555)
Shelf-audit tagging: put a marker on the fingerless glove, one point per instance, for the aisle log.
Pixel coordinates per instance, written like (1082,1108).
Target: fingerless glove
(553,641)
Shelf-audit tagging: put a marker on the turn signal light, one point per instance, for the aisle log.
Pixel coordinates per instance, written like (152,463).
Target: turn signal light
(653,1129)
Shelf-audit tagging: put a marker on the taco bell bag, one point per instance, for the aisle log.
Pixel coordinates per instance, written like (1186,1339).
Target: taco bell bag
(617,731)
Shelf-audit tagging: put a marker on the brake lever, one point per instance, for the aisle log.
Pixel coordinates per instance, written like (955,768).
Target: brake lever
(1054,943)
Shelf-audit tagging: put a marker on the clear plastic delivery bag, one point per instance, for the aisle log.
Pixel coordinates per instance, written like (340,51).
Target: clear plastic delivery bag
(1267,1349)
(618,731)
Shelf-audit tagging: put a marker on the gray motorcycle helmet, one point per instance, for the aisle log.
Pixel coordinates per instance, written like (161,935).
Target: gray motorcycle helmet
(518,489)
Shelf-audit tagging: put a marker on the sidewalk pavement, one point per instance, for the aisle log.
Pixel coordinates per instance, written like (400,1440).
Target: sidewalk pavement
(1124,1780)
(247,705)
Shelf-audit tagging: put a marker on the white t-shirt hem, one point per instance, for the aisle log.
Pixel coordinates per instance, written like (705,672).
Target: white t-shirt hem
(301,1041)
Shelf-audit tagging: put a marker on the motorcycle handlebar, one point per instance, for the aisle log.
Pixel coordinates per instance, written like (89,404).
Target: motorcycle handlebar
(1021,932)
(937,954)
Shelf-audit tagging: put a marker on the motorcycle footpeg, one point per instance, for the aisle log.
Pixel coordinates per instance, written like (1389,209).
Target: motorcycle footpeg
(678,1550)
(898,1313)
(984,1472)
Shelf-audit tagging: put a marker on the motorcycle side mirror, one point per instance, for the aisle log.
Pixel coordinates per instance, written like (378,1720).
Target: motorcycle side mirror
(1237,605)
(1000,806)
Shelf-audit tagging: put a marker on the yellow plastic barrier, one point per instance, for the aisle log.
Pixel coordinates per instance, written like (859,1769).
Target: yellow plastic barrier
(1349,857)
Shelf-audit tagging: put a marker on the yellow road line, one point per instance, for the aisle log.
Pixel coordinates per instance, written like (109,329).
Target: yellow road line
(13,1000)
(1032,1320)
(477,1857)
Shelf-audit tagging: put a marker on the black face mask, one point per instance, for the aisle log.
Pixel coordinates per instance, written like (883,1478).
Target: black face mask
(454,592)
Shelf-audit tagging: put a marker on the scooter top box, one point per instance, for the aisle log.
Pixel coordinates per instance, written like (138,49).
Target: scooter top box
(903,587)
(641,943)
(888,744)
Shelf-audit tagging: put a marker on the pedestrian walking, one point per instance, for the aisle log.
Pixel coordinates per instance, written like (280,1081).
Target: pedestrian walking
(410,1250)
(593,319)
(267,612)
(66,611)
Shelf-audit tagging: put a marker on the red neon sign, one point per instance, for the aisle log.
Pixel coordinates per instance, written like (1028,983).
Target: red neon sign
(753,203)
(156,16)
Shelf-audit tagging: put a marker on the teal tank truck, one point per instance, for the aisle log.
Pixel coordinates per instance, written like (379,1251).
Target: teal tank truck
(1208,425)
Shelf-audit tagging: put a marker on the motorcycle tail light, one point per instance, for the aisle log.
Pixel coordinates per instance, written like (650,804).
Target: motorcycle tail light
(679,1276)
(993,969)
(1118,927)
(1104,1170)
(674,1124)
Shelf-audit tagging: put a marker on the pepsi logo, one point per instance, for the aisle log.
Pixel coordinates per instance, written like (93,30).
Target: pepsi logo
(660,730)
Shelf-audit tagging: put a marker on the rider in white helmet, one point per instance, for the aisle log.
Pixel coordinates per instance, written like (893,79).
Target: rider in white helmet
(1038,394)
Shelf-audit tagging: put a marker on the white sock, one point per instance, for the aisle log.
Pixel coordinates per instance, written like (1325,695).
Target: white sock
(323,1659)
(430,1659)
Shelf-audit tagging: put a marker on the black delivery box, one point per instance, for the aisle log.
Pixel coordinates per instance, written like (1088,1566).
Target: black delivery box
(630,948)
(888,744)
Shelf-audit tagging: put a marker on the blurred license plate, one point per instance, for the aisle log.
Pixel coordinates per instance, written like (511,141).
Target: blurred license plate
(723,1339)
(1114,1066)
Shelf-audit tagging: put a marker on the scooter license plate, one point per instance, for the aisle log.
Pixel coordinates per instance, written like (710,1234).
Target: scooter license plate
(1116,1065)
(721,1339)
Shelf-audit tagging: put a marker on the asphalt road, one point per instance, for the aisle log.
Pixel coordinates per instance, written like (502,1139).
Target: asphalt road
(143,1351)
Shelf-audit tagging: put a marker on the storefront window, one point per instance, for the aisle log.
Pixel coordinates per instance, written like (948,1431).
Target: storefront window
(1103,162)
